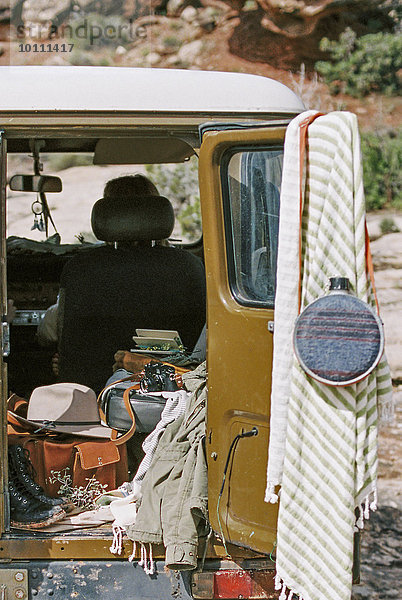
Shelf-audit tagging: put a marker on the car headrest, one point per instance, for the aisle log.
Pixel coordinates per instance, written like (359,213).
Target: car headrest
(141,218)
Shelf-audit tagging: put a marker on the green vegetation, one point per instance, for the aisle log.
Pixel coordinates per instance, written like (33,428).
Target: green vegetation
(190,219)
(95,38)
(95,31)
(362,65)
(388,225)
(59,162)
(382,157)
(172,42)
(179,183)
(176,25)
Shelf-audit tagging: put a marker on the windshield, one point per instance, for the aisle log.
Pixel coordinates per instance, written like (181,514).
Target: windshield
(83,185)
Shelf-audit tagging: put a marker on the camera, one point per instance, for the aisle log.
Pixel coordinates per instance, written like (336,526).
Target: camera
(158,378)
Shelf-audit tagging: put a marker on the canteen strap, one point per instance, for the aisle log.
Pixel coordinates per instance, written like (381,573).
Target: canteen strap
(369,266)
(303,127)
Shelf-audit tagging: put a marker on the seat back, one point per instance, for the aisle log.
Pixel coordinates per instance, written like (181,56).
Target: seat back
(107,293)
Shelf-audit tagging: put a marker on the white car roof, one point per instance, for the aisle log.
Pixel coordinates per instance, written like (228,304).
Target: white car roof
(43,88)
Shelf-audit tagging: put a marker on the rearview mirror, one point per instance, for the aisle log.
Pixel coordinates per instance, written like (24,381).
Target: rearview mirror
(35,183)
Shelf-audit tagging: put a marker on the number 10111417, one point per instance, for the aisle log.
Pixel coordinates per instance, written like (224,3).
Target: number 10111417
(45,47)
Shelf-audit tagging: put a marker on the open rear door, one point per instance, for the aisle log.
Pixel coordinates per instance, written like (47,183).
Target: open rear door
(240,177)
(5,338)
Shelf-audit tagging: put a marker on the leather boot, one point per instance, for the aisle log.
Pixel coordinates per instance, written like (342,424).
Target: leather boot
(28,513)
(23,468)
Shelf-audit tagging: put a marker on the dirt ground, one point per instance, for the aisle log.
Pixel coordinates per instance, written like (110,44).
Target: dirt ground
(381,540)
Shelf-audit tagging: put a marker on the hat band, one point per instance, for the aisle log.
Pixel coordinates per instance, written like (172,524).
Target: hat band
(47,423)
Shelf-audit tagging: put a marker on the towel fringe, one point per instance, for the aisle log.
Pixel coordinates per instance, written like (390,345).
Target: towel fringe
(132,555)
(373,505)
(278,582)
(283,592)
(270,495)
(143,558)
(360,519)
(365,508)
(284,595)
(117,544)
(147,563)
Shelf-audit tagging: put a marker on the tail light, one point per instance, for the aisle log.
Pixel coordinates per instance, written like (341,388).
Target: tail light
(234,583)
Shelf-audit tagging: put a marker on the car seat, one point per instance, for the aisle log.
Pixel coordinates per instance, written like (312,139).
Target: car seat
(108,292)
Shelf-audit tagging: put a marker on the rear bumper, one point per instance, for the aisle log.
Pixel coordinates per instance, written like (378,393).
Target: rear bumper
(109,580)
(91,580)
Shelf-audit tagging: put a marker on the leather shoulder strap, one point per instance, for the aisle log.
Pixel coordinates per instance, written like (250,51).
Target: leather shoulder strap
(126,436)
(126,397)
(370,268)
(303,148)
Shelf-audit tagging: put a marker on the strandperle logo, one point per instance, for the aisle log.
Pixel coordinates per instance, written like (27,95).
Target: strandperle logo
(82,30)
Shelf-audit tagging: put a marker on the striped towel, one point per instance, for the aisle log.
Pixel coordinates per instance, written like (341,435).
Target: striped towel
(323,446)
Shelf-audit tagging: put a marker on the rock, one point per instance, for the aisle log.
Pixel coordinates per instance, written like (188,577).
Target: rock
(207,25)
(387,251)
(190,52)
(207,18)
(5,11)
(44,11)
(387,260)
(189,14)
(153,58)
(58,61)
(172,60)
(295,18)
(286,33)
(104,7)
(133,9)
(175,7)
(120,51)
(32,12)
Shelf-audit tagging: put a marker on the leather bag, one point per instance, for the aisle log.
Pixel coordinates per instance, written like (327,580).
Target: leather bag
(85,458)
(121,404)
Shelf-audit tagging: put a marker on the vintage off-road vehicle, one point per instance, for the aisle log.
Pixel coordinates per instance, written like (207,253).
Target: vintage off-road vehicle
(233,125)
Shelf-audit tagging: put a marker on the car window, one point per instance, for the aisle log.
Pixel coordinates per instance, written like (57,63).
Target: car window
(251,183)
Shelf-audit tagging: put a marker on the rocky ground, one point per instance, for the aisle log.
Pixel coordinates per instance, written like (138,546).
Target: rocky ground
(381,541)
(387,260)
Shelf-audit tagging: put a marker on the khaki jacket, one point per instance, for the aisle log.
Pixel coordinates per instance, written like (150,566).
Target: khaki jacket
(173,508)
